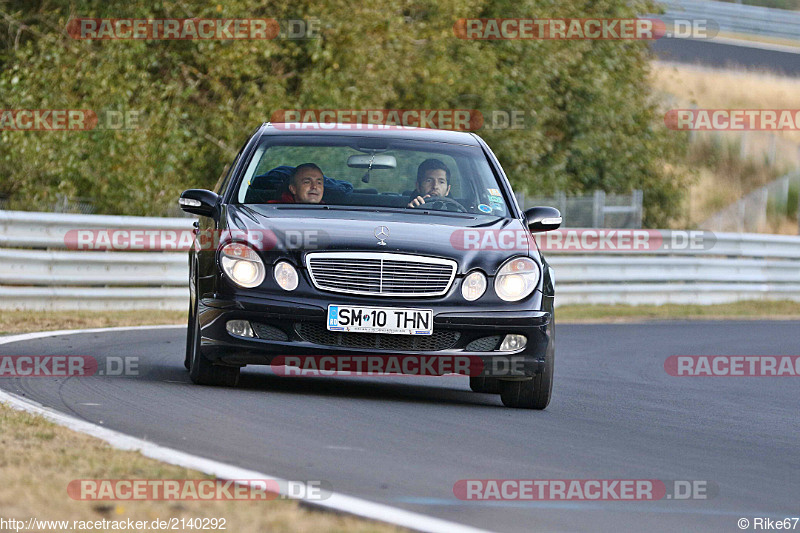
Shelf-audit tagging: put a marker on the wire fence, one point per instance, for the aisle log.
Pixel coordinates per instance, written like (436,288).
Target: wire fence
(596,210)
(753,212)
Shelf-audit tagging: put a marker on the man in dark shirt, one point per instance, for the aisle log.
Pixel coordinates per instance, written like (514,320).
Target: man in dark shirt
(306,186)
(433,179)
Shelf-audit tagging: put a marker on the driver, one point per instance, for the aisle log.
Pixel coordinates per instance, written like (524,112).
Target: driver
(433,179)
(306,186)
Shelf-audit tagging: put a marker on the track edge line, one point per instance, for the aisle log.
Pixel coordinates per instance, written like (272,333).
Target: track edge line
(341,503)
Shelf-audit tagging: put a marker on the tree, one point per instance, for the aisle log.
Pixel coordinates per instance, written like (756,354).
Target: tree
(590,121)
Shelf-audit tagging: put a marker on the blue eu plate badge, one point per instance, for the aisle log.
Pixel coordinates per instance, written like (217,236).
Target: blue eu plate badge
(333,317)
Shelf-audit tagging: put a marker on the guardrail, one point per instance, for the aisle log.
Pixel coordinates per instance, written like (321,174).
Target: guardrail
(49,230)
(736,18)
(38,272)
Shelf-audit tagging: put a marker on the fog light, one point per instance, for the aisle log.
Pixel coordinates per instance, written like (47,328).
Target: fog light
(286,276)
(240,328)
(474,286)
(513,343)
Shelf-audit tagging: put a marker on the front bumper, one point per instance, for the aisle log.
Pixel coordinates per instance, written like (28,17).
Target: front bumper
(461,330)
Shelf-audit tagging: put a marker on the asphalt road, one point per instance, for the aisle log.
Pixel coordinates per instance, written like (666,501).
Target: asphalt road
(721,55)
(405,441)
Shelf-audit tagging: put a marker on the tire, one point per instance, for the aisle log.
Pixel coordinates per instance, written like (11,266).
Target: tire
(534,393)
(531,394)
(484,384)
(187,360)
(201,370)
(204,372)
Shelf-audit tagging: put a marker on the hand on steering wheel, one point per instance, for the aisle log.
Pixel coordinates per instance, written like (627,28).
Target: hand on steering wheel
(441,202)
(418,201)
(438,203)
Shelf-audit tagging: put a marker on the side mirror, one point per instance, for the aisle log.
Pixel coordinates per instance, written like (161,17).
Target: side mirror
(543,218)
(199,202)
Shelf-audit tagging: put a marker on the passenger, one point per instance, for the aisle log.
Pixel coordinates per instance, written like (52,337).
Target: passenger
(433,179)
(306,186)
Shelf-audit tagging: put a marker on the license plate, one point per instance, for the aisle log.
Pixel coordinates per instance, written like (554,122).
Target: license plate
(392,320)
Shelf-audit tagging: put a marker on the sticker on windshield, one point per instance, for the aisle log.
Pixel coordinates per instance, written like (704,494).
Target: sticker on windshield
(485,208)
(494,192)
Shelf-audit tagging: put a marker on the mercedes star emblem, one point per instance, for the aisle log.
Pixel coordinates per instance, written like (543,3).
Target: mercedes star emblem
(382,233)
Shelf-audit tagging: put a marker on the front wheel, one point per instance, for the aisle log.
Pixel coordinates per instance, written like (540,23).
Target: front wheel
(187,360)
(534,393)
(484,384)
(531,394)
(201,370)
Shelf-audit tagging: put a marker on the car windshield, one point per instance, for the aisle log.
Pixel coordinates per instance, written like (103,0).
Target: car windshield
(372,172)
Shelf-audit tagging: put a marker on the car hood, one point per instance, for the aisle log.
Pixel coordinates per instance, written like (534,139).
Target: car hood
(473,241)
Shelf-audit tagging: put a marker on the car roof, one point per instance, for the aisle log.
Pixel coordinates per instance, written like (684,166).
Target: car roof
(419,134)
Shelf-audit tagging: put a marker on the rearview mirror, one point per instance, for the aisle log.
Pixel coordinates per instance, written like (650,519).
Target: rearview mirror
(199,202)
(375,161)
(543,218)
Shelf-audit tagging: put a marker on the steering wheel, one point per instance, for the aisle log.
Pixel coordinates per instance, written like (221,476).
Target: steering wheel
(441,202)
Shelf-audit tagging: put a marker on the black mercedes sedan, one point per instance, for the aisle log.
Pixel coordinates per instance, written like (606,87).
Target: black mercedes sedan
(348,241)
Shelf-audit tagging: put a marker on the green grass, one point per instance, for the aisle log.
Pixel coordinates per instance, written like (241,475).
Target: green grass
(765,310)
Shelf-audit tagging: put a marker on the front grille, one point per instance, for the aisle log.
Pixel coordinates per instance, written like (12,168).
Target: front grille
(484,344)
(381,274)
(318,334)
(269,333)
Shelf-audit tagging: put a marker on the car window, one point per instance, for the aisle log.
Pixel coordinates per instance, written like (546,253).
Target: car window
(390,182)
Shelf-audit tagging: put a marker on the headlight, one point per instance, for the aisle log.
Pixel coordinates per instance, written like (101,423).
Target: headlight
(286,276)
(474,286)
(242,265)
(516,279)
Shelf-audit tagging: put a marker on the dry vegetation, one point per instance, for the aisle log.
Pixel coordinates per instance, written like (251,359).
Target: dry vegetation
(715,88)
(25,321)
(751,310)
(723,175)
(38,459)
